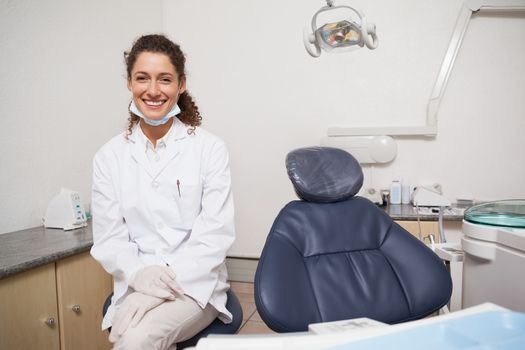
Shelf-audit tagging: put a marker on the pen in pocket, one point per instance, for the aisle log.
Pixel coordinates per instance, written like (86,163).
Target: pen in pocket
(178,186)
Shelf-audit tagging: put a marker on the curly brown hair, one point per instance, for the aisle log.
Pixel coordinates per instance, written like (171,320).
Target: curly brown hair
(157,43)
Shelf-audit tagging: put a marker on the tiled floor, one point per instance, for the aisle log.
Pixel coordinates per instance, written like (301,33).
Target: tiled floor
(251,323)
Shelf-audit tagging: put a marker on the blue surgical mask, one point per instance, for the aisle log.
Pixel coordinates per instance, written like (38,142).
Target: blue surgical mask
(154,122)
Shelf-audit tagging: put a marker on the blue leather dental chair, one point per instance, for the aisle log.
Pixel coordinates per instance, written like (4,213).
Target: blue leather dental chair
(216,327)
(333,255)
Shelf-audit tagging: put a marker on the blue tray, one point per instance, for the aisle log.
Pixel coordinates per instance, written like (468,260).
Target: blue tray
(502,330)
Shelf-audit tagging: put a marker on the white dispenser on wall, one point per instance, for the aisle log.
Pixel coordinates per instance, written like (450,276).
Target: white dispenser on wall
(65,211)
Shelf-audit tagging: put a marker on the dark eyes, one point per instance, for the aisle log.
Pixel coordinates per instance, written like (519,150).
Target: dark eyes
(162,80)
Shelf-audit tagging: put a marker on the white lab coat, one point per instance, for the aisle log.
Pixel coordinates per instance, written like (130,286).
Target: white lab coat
(180,214)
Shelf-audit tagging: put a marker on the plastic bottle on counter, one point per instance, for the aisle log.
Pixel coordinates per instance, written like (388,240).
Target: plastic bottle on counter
(395,192)
(405,193)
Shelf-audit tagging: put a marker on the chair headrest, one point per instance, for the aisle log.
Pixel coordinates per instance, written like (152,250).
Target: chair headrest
(324,174)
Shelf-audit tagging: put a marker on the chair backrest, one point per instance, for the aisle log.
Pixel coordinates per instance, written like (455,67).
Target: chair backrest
(344,257)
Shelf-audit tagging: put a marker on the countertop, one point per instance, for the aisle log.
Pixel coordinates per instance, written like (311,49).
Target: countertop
(26,249)
(409,212)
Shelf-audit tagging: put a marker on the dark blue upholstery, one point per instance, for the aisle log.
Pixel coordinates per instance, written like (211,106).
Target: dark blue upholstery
(332,261)
(216,327)
(324,174)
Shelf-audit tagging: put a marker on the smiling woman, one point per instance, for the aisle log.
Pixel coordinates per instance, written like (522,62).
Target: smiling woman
(162,209)
(157,80)
(155,86)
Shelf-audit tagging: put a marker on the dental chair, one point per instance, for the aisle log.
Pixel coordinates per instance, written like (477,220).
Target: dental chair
(334,255)
(216,327)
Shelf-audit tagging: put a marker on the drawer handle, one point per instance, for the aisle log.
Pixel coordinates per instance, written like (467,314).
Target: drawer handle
(76,308)
(50,322)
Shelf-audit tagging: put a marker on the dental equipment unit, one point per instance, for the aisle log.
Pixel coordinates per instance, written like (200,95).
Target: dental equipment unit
(349,32)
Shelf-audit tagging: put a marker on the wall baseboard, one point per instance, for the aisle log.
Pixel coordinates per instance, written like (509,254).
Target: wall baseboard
(241,269)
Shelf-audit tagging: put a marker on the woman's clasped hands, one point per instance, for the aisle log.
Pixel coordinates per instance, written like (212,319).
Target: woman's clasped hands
(153,285)
(157,281)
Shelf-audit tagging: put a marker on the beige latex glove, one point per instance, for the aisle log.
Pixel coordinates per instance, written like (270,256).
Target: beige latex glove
(131,312)
(156,281)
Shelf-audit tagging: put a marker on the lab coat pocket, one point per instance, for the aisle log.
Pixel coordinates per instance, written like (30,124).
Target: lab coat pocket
(188,199)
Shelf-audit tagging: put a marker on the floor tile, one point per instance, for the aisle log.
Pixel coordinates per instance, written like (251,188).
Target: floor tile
(255,327)
(256,317)
(242,287)
(244,291)
(248,309)
(252,322)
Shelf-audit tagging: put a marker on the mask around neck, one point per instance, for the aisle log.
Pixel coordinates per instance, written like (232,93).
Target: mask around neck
(154,122)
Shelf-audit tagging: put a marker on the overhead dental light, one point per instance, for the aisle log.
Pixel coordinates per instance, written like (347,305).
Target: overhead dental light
(349,31)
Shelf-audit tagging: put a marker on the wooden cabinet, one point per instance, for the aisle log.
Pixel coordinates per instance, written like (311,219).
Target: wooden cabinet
(427,228)
(55,306)
(82,286)
(28,310)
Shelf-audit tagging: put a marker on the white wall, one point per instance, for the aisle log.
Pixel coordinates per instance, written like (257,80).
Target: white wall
(62,95)
(261,92)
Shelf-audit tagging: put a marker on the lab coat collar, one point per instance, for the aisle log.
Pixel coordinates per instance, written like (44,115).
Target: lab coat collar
(175,144)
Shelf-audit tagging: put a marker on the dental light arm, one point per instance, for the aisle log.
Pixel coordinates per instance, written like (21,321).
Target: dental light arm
(351,32)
